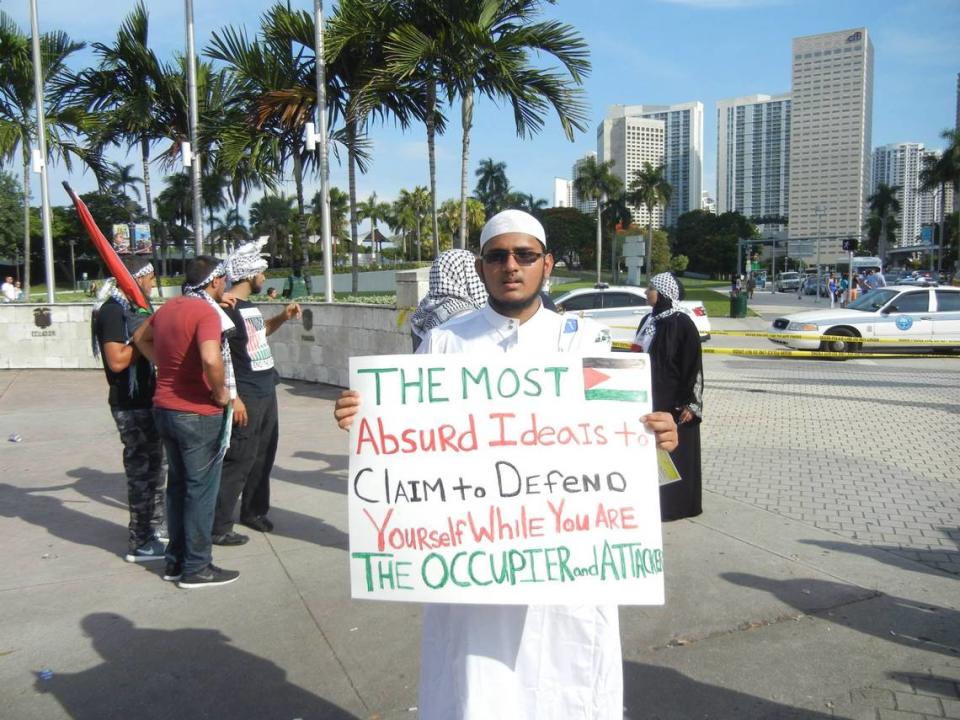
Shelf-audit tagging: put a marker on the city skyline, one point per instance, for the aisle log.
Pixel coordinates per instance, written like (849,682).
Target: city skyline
(713,49)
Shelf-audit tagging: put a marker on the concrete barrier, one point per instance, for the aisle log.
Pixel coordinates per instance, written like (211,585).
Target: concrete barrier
(316,349)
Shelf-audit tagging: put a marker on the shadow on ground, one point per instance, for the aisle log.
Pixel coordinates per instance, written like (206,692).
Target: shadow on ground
(905,558)
(189,673)
(651,692)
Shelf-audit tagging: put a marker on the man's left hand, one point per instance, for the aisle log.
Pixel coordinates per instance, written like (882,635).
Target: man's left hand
(292,311)
(662,425)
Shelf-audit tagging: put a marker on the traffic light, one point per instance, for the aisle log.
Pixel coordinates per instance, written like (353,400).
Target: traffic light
(850,244)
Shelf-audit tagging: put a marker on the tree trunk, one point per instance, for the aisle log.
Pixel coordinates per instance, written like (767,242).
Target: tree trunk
(466,117)
(352,182)
(432,153)
(301,208)
(419,241)
(26,224)
(157,248)
(599,241)
(648,250)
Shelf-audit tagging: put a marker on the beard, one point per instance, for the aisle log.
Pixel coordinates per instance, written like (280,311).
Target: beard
(255,285)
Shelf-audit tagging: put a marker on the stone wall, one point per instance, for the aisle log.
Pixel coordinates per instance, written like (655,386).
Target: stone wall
(46,336)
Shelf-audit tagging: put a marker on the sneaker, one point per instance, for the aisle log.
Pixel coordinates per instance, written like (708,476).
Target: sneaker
(260,523)
(173,571)
(161,533)
(149,551)
(230,538)
(210,576)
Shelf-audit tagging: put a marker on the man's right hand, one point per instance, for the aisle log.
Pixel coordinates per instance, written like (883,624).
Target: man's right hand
(346,407)
(221,396)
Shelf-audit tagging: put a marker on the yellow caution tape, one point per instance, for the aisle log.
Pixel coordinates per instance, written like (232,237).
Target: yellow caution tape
(842,338)
(756,352)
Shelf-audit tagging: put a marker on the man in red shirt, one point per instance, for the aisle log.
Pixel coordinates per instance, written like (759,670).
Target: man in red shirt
(184,339)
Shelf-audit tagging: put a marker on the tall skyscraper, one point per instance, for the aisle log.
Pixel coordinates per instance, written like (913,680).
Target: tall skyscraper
(683,150)
(932,201)
(753,155)
(630,142)
(830,130)
(584,206)
(898,165)
(562,192)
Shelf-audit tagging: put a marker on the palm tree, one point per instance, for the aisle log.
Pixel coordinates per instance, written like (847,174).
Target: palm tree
(595,182)
(650,189)
(64,122)
(174,212)
(410,209)
(885,204)
(492,185)
(943,170)
(229,229)
(375,212)
(616,212)
(122,91)
(483,47)
(355,52)
(273,215)
(339,208)
(212,186)
(525,201)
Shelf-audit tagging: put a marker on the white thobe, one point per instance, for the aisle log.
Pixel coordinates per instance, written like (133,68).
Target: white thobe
(501,662)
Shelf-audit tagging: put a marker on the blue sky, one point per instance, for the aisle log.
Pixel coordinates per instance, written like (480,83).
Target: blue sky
(643,51)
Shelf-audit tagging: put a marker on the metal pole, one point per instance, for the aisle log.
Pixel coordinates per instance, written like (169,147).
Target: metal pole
(73,265)
(321,74)
(42,146)
(195,145)
(816,296)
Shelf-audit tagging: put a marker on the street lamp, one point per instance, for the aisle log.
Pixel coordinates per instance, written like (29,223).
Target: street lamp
(193,150)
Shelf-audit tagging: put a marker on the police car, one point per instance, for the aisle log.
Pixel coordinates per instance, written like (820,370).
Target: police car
(902,312)
(621,308)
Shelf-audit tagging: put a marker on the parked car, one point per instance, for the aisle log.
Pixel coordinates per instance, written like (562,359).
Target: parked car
(621,308)
(788,281)
(898,311)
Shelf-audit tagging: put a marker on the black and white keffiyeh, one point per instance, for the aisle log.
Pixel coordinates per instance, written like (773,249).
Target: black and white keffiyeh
(455,287)
(226,324)
(246,261)
(667,305)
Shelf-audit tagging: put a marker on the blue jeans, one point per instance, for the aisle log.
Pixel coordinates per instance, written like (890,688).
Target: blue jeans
(192,443)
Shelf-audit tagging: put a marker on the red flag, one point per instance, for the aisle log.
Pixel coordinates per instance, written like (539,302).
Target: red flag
(128,286)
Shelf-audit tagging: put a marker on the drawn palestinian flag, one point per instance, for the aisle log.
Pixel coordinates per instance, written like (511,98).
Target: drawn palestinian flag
(615,379)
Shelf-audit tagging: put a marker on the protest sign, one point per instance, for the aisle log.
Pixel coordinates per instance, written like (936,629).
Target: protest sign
(504,478)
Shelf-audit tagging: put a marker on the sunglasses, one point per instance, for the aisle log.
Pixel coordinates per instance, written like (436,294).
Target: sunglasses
(522,256)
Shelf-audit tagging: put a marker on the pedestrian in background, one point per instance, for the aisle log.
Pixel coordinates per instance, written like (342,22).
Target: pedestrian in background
(673,343)
(455,288)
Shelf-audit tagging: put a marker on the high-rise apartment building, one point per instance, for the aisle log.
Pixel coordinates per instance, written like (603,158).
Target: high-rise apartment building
(898,165)
(630,142)
(932,201)
(562,192)
(683,150)
(830,130)
(584,206)
(753,155)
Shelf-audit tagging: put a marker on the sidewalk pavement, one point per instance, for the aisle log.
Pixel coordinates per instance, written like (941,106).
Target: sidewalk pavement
(767,616)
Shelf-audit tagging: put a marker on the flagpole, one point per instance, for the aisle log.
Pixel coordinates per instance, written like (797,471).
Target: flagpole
(321,76)
(194,142)
(42,149)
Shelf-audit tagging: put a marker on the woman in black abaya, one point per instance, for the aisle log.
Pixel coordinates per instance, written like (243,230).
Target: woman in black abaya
(672,340)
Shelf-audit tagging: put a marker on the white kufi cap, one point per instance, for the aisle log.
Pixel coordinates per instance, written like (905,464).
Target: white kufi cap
(512,221)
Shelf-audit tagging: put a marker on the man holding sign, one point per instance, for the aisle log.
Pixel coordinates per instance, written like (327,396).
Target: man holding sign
(530,661)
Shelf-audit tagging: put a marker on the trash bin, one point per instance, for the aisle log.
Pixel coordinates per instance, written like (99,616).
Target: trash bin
(738,305)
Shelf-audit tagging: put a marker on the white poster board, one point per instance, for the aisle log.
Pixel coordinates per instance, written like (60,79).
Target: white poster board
(506,478)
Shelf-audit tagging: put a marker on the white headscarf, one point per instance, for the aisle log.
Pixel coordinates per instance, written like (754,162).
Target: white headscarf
(666,286)
(512,221)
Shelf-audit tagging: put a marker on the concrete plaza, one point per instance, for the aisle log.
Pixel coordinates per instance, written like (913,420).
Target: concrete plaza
(822,580)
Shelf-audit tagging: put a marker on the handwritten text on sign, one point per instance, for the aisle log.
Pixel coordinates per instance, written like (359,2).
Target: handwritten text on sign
(504,479)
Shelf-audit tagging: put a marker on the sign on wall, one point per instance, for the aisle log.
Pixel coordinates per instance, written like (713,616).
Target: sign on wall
(506,478)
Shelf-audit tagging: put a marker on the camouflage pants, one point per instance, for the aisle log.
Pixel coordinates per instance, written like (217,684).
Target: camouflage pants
(146,470)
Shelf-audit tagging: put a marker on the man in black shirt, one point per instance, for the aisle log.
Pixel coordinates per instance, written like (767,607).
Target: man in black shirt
(132,381)
(253,443)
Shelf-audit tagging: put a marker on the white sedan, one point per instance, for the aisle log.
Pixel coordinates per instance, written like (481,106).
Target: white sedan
(621,308)
(902,312)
